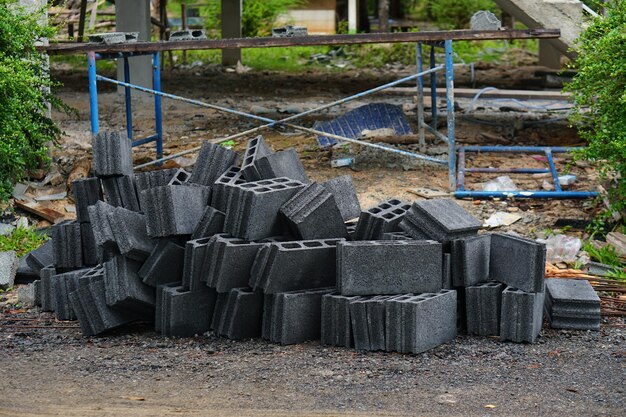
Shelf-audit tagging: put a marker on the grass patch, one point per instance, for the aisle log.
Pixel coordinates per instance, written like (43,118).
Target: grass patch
(22,240)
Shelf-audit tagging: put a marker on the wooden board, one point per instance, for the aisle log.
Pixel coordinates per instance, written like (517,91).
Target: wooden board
(363,38)
(45,213)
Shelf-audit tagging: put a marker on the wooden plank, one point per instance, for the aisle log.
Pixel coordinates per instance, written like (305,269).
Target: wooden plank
(363,38)
(45,213)
(471,93)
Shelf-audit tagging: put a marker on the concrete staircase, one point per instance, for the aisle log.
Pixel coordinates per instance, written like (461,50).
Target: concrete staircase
(566,15)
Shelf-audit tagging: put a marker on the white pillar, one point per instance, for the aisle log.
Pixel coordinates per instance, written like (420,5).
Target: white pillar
(231,28)
(353,13)
(134,16)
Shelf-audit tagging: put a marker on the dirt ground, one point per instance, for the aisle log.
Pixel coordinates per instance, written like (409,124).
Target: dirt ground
(55,371)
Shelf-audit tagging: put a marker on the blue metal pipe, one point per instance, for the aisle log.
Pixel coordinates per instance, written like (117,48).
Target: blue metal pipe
(158,116)
(555,175)
(525,194)
(129,109)
(93,91)
(450,114)
(148,139)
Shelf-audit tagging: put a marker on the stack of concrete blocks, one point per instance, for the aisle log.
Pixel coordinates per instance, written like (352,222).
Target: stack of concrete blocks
(383,218)
(293,316)
(572,304)
(313,213)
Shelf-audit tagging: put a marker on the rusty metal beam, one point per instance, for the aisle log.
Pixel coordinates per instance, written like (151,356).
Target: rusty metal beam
(365,38)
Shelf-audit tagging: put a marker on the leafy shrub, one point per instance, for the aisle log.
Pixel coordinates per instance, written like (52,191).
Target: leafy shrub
(599,90)
(22,240)
(24,91)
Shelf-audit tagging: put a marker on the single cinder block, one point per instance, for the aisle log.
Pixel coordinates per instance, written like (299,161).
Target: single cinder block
(180,177)
(124,289)
(87,192)
(211,223)
(384,218)
(47,295)
(388,267)
(229,261)
(482,304)
(109,317)
(252,212)
(469,259)
(162,305)
(121,192)
(517,262)
(295,316)
(439,219)
(312,213)
(344,193)
(99,220)
(242,315)
(336,327)
(129,232)
(151,179)
(174,209)
(194,276)
(281,164)
(213,160)
(394,322)
(521,315)
(223,187)
(297,265)
(89,248)
(8,268)
(29,295)
(188,312)
(256,148)
(112,154)
(368,317)
(572,304)
(67,245)
(165,264)
(220,307)
(41,257)
(61,285)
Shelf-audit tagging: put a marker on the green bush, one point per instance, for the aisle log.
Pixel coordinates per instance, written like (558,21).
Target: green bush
(599,90)
(258,16)
(24,93)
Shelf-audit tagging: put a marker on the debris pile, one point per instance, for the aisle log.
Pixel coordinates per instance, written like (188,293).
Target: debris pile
(257,250)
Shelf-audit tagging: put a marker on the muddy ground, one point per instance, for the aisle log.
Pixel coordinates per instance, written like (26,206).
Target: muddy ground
(55,371)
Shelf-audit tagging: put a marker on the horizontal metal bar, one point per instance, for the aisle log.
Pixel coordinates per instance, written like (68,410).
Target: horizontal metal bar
(510,170)
(362,38)
(519,149)
(118,55)
(526,194)
(437,134)
(145,140)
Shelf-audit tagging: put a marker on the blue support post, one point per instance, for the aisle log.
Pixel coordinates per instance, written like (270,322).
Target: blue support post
(555,175)
(450,114)
(433,88)
(93,91)
(419,65)
(127,96)
(156,85)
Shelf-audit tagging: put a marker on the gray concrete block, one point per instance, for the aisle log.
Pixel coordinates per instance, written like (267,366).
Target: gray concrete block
(470,258)
(213,160)
(517,262)
(223,187)
(255,149)
(174,210)
(41,257)
(61,285)
(383,218)
(162,306)
(345,196)
(394,322)
(572,304)
(125,290)
(521,315)
(297,265)
(165,264)
(47,295)
(89,247)
(188,313)
(447,272)
(8,268)
(283,164)
(112,154)
(180,177)
(294,316)
(368,318)
(67,245)
(196,252)
(336,327)
(439,219)
(312,213)
(187,35)
(29,295)
(211,223)
(87,192)
(151,179)
(129,232)
(229,261)
(220,306)
(99,220)
(396,236)
(110,318)
(242,315)
(81,315)
(121,192)
(252,212)
(482,306)
(388,267)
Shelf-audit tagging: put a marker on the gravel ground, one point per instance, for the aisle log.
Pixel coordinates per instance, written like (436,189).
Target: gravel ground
(136,372)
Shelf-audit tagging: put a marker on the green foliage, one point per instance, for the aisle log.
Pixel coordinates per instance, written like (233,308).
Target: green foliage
(605,255)
(24,90)
(456,14)
(599,90)
(22,240)
(258,16)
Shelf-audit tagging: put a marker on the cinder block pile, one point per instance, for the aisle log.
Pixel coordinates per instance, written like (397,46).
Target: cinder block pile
(256,250)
